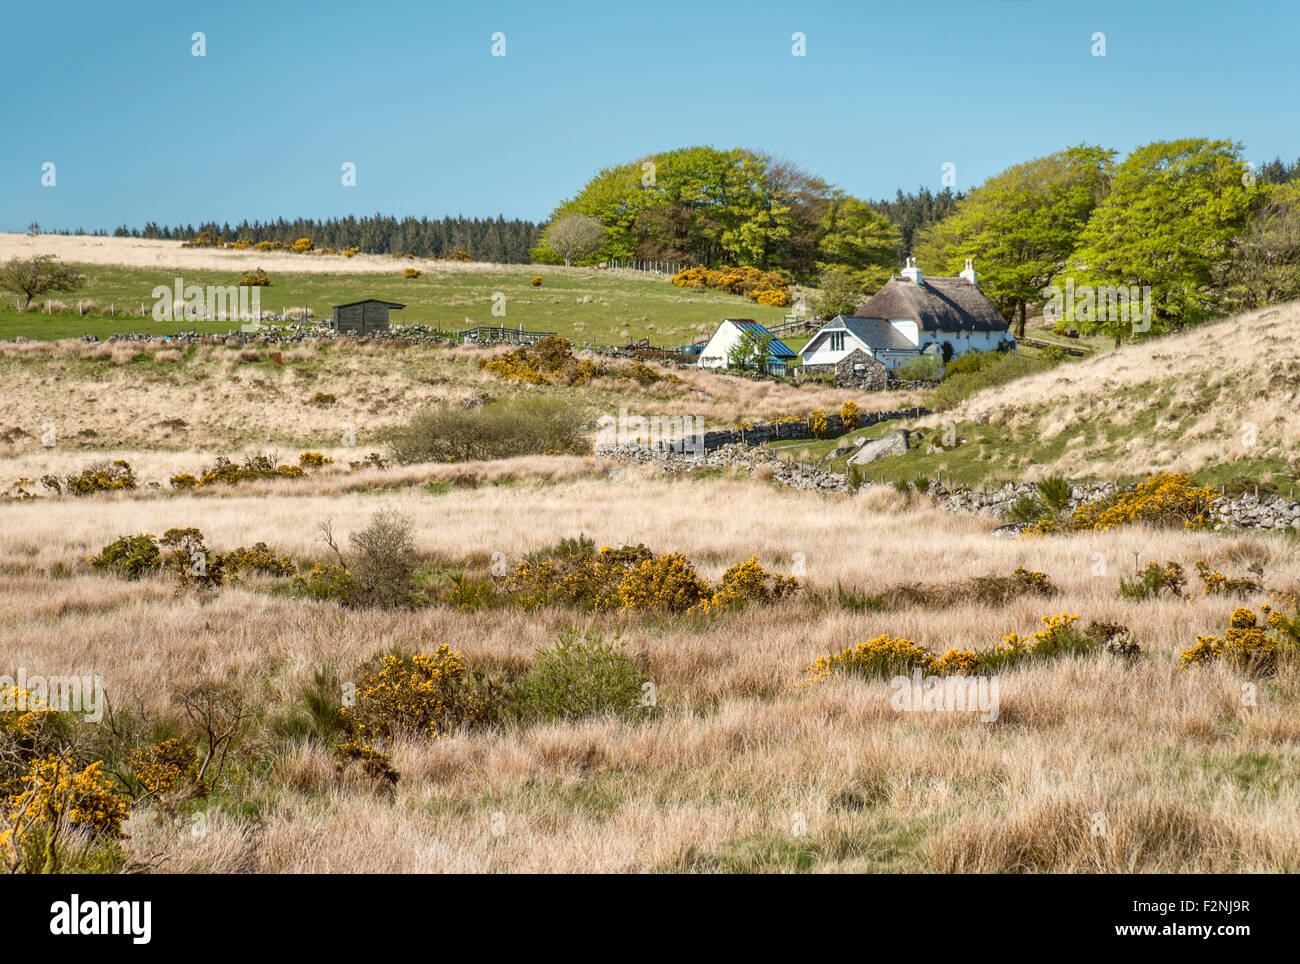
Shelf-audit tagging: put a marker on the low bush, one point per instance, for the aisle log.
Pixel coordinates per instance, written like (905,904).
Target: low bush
(500,429)
(998,590)
(190,562)
(633,578)
(431,695)
(115,476)
(887,656)
(260,559)
(254,468)
(1060,637)
(129,557)
(763,287)
(374,763)
(580,676)
(313,460)
(1150,582)
(383,561)
(963,378)
(883,657)
(1217,584)
(1168,499)
(182,554)
(326,582)
(920,370)
(169,773)
(1244,645)
(66,818)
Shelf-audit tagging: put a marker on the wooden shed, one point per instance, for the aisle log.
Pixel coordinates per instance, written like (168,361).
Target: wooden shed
(363,317)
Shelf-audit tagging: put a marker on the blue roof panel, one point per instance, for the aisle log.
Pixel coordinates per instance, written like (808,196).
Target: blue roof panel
(776,347)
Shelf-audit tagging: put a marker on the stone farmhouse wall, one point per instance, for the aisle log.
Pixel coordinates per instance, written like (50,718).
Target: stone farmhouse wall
(872,377)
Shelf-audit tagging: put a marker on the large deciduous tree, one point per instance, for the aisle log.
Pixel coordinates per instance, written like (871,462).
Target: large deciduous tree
(859,239)
(574,237)
(1021,226)
(1172,212)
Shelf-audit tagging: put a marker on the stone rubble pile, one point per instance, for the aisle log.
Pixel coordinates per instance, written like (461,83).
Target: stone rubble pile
(794,475)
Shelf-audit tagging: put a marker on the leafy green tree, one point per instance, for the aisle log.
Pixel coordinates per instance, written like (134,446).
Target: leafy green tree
(1172,212)
(705,206)
(749,351)
(38,275)
(1263,266)
(841,292)
(859,239)
(1021,226)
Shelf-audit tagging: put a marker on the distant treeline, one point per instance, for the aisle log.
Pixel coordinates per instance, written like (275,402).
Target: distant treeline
(484,239)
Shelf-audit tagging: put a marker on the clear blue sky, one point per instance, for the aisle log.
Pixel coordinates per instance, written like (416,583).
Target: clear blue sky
(140,130)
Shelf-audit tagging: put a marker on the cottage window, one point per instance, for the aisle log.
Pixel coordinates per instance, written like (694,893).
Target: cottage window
(837,341)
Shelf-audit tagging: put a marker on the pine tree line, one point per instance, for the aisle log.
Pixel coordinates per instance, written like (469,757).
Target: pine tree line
(484,239)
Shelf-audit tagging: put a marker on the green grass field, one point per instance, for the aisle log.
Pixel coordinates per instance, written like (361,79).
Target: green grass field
(620,309)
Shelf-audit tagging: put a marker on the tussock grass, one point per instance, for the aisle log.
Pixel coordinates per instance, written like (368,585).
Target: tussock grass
(714,780)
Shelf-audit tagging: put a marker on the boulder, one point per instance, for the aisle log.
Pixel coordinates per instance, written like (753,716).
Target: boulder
(895,443)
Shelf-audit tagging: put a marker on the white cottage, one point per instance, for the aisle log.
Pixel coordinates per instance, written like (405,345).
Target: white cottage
(717,350)
(910,317)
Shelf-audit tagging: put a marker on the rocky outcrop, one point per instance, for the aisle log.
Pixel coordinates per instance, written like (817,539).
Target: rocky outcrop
(895,443)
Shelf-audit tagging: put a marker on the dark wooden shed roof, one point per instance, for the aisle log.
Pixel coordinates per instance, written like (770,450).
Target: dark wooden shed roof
(936,304)
(371,301)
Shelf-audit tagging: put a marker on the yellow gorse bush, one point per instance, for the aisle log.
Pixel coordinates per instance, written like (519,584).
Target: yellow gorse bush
(886,655)
(313,460)
(750,582)
(551,361)
(666,583)
(634,578)
(1044,640)
(54,790)
(883,655)
(764,287)
(167,770)
(428,694)
(1245,644)
(817,424)
(1168,499)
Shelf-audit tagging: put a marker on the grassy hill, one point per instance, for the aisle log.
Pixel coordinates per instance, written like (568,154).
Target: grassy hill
(584,304)
(1218,401)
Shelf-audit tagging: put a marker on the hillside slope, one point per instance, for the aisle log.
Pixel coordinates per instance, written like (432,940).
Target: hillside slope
(1219,401)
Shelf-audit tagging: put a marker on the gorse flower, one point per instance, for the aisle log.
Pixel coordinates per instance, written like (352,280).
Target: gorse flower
(428,694)
(1245,644)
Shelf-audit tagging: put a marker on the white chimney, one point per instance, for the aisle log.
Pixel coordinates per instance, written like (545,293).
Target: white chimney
(969,272)
(912,273)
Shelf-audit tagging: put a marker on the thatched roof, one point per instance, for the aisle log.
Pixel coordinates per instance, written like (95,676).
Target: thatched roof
(936,304)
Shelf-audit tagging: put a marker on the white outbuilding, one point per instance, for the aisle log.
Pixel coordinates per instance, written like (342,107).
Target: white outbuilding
(716,353)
